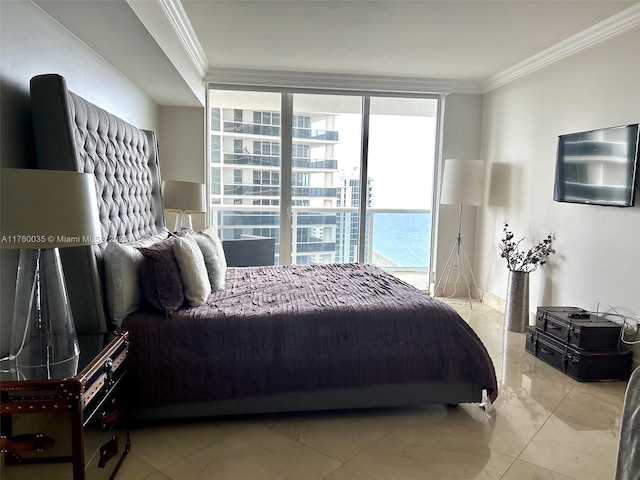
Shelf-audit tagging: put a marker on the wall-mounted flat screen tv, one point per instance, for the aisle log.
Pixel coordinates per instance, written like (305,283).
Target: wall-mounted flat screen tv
(598,167)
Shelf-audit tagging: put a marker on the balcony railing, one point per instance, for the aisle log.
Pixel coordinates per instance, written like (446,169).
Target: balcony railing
(247,159)
(252,129)
(315,247)
(316,218)
(315,134)
(256,190)
(314,192)
(236,217)
(312,163)
(233,218)
(274,191)
(274,161)
(274,131)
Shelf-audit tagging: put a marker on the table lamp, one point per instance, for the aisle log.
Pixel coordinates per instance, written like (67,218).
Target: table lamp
(41,211)
(184,198)
(462,184)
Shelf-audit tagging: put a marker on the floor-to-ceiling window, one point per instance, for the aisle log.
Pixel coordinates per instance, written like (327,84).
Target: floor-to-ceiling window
(401,162)
(332,177)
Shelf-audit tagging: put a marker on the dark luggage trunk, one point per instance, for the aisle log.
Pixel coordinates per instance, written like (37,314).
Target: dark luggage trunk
(582,365)
(590,332)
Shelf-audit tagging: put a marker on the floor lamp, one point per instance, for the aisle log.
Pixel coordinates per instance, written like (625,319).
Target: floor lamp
(42,211)
(184,198)
(462,183)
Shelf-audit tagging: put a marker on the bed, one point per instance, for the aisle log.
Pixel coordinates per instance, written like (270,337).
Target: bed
(275,338)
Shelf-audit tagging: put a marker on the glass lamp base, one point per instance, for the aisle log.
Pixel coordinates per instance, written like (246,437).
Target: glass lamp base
(44,344)
(183,220)
(64,369)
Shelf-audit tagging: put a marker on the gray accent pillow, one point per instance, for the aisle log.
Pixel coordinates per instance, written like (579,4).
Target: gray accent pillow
(213,235)
(216,269)
(122,265)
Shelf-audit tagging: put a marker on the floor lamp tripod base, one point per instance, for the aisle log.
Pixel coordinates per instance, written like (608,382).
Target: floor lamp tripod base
(458,259)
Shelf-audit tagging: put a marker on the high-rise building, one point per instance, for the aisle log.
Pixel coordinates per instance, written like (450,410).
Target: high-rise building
(245,176)
(347,224)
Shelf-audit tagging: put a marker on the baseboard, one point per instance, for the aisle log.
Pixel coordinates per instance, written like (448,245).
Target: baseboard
(500,304)
(494,301)
(453,290)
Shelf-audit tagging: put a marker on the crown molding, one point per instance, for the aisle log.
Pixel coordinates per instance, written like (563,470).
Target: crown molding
(336,81)
(470,87)
(600,32)
(176,15)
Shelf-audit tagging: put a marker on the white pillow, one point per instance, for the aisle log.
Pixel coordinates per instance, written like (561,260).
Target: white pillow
(193,270)
(121,271)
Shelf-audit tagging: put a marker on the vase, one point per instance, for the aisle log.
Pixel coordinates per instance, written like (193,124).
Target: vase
(517,309)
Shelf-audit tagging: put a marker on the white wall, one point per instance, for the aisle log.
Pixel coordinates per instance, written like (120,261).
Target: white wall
(461,139)
(32,43)
(182,150)
(181,137)
(598,248)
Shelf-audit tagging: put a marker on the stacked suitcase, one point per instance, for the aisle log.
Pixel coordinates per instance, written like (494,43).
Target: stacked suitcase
(582,345)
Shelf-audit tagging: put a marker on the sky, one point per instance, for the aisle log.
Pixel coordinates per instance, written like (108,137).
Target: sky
(401,157)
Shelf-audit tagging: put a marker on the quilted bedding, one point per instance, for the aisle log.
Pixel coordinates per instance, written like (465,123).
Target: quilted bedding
(294,328)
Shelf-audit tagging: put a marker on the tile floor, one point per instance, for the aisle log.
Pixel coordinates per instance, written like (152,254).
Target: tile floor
(544,426)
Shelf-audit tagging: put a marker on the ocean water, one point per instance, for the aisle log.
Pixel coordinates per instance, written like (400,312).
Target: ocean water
(403,238)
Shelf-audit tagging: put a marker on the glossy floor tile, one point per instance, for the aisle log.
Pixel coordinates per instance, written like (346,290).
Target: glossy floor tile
(543,426)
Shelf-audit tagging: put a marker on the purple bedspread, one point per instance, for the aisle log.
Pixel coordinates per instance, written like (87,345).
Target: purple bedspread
(295,328)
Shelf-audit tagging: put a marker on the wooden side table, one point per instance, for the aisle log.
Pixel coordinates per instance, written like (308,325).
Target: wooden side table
(85,407)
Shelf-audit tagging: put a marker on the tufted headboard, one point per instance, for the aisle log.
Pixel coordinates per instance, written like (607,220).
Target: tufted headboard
(74,134)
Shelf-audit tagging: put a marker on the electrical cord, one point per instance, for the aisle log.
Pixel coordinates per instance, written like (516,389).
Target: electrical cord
(13,357)
(7,358)
(625,324)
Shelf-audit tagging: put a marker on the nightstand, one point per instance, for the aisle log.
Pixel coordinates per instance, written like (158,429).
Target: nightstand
(74,419)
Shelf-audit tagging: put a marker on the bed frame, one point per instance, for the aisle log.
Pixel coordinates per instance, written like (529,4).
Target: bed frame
(73,134)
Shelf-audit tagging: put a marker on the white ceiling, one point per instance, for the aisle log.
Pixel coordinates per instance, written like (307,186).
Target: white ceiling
(468,41)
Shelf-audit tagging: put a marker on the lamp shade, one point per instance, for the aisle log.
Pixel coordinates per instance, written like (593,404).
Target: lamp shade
(462,182)
(183,197)
(47,209)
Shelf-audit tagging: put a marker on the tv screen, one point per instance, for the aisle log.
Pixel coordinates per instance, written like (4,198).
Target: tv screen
(597,167)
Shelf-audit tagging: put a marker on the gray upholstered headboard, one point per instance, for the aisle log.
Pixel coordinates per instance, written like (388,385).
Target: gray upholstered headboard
(74,134)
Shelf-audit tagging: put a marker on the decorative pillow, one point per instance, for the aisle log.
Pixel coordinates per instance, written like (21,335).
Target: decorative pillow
(160,276)
(213,235)
(193,270)
(122,265)
(215,269)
